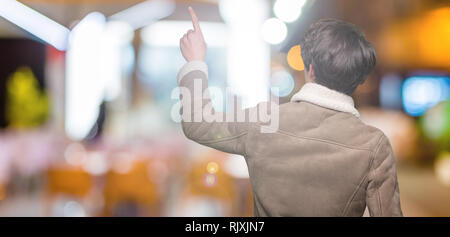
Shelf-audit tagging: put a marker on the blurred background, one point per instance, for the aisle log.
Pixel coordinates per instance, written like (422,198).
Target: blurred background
(88,110)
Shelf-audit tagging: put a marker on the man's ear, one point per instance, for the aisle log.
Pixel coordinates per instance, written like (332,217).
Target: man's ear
(311,74)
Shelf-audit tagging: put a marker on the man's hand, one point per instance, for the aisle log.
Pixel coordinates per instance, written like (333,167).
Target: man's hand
(192,44)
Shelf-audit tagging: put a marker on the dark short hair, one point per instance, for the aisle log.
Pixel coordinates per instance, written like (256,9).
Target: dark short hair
(339,53)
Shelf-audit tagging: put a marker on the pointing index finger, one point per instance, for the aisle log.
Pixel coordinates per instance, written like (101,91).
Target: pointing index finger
(194,19)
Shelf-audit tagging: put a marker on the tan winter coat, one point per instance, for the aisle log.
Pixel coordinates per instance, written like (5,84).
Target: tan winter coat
(321,160)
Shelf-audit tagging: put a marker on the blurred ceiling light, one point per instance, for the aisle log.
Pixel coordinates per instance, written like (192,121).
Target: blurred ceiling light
(294,58)
(422,93)
(274,31)
(119,31)
(35,23)
(145,13)
(248,56)
(281,83)
(116,36)
(246,12)
(95,68)
(288,10)
(84,85)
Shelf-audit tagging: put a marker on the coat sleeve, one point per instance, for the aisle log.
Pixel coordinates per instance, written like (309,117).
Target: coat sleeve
(383,195)
(200,122)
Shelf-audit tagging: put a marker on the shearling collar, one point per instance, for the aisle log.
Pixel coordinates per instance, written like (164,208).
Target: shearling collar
(325,97)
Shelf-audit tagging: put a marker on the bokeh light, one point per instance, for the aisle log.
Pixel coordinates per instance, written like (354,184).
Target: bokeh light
(75,154)
(96,163)
(294,58)
(73,209)
(212,167)
(274,31)
(281,83)
(123,164)
(436,122)
(288,10)
(421,93)
(247,12)
(442,168)
(209,180)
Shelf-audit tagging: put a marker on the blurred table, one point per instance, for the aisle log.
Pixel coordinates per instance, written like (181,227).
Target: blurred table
(421,194)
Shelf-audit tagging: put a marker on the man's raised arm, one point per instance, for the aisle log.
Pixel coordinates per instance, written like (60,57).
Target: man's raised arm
(200,122)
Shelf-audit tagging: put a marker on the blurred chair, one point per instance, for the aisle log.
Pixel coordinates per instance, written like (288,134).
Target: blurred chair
(132,190)
(2,192)
(209,189)
(69,181)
